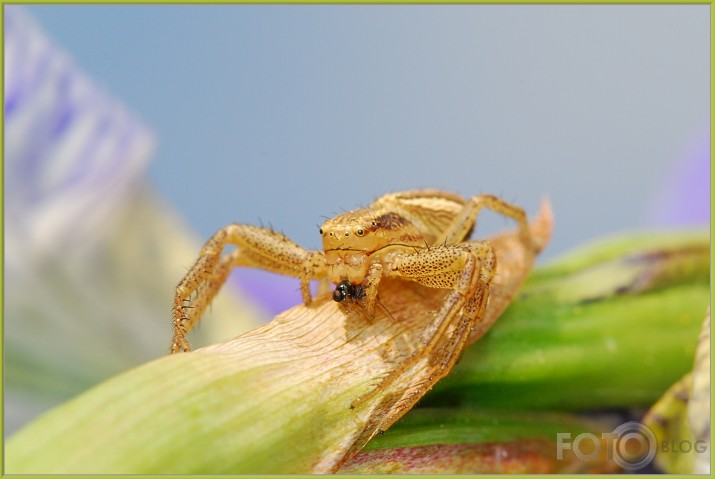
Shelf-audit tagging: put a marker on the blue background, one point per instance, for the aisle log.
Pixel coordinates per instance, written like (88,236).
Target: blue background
(286,114)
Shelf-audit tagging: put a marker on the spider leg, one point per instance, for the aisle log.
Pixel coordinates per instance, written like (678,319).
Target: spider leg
(468,270)
(197,304)
(446,357)
(466,220)
(256,247)
(374,275)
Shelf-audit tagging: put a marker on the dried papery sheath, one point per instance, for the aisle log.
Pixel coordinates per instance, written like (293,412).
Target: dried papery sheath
(275,400)
(699,404)
(681,419)
(73,153)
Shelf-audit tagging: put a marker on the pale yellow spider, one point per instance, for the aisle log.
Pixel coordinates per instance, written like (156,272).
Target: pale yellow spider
(415,235)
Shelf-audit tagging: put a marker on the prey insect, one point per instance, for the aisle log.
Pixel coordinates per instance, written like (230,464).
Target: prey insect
(348,291)
(419,236)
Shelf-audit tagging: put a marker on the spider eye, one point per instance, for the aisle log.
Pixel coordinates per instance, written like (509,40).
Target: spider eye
(360,232)
(320,231)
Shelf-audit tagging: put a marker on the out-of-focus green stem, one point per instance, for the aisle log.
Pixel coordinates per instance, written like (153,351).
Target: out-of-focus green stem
(610,325)
(425,426)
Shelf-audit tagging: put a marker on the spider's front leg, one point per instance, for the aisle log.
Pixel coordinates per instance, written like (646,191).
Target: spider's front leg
(467,269)
(256,247)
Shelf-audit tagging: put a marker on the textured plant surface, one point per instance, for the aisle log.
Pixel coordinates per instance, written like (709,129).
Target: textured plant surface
(287,386)
(612,325)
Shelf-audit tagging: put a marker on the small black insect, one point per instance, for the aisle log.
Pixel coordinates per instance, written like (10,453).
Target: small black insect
(347,290)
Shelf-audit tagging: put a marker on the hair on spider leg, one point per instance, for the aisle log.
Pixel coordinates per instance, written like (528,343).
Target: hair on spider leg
(191,297)
(497,294)
(382,305)
(419,249)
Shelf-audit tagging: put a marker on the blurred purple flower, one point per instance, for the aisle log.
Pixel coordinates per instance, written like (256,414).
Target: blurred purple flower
(72,156)
(71,152)
(685,198)
(274,293)
(74,160)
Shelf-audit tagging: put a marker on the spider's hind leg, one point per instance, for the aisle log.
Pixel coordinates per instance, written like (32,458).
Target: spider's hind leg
(466,220)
